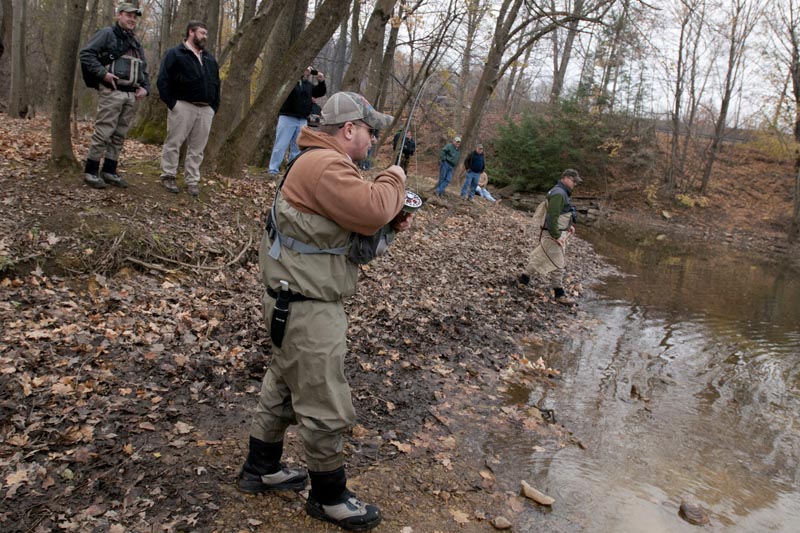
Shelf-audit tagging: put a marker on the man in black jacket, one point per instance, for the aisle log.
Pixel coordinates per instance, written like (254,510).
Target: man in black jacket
(113,63)
(294,115)
(409,147)
(188,82)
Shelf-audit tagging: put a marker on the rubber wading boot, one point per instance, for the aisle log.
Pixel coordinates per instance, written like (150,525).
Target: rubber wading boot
(94,181)
(561,298)
(329,500)
(264,472)
(114,179)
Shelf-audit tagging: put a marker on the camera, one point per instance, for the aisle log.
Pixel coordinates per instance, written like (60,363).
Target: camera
(314,71)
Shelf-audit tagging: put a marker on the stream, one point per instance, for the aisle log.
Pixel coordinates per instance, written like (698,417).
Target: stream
(685,387)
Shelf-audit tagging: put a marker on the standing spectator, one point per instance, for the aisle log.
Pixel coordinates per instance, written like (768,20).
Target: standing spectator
(294,115)
(320,206)
(113,63)
(474,164)
(409,147)
(555,218)
(448,159)
(188,82)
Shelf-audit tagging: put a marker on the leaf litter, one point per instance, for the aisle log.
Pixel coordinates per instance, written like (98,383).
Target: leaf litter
(133,347)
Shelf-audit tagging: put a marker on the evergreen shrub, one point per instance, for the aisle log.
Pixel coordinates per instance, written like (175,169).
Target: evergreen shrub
(531,152)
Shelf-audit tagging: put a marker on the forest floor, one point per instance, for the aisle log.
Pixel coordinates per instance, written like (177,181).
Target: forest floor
(132,348)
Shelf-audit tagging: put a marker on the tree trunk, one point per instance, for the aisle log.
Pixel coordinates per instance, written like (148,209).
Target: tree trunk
(241,144)
(166,23)
(246,46)
(18,99)
(387,65)
(515,92)
(680,78)
(374,78)
(562,61)
(63,84)
(287,30)
(340,59)
(742,21)
(211,19)
(475,13)
(355,26)
(6,30)
(372,38)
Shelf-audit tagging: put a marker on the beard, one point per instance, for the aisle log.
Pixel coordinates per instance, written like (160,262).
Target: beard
(199,43)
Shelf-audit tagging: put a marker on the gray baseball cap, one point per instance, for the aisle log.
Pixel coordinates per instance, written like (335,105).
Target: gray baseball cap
(572,173)
(348,107)
(129,7)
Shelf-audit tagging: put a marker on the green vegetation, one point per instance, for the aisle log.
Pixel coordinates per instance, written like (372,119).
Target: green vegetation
(532,152)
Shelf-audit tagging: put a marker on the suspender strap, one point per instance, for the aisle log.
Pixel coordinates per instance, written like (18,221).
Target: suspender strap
(279,239)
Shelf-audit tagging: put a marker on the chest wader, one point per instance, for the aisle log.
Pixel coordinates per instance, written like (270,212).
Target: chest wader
(360,249)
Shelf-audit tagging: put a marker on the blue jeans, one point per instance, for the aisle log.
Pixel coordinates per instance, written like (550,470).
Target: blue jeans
(285,137)
(470,183)
(445,175)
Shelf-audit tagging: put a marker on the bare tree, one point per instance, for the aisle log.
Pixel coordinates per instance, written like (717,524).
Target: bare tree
(534,22)
(18,99)
(475,12)
(64,83)
(369,42)
(788,30)
(240,145)
(686,13)
(742,19)
(244,47)
(561,56)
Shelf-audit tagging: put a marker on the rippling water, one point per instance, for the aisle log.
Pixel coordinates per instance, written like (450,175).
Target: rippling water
(686,387)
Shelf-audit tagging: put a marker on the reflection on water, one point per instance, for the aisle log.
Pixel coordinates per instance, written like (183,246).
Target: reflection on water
(687,388)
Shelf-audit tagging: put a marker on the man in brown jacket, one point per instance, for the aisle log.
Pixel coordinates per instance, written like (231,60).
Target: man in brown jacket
(306,266)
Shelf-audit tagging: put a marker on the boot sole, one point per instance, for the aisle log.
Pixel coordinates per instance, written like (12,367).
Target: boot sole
(255,487)
(317,512)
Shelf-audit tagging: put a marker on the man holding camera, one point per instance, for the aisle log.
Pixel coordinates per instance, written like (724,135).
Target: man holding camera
(294,115)
(113,63)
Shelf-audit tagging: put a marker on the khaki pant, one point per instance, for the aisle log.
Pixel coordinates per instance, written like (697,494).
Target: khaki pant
(306,385)
(115,110)
(190,123)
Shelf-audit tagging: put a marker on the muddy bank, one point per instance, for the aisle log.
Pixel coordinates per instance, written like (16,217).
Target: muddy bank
(127,378)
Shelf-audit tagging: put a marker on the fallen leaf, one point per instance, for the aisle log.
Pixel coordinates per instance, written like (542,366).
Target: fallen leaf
(183,428)
(459,516)
(535,495)
(403,447)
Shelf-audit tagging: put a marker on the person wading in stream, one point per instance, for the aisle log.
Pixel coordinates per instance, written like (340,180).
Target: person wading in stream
(554,219)
(309,258)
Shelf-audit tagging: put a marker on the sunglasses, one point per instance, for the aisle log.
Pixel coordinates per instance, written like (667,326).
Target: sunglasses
(373,132)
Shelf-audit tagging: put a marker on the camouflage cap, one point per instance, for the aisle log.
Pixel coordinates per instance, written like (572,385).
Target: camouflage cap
(572,173)
(348,107)
(129,7)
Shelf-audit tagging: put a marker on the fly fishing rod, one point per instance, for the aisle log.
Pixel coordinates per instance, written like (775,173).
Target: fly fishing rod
(410,115)
(413,201)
